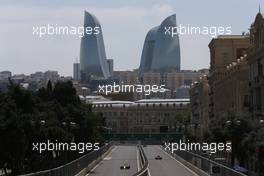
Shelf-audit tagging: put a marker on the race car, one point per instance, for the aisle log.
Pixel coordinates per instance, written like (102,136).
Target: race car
(158,157)
(125,166)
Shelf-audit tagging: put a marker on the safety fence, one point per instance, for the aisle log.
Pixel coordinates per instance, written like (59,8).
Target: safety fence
(76,166)
(204,165)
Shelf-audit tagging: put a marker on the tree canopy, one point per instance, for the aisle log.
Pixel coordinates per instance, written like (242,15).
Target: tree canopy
(52,113)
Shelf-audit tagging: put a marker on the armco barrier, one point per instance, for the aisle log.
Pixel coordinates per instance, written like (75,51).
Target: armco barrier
(77,167)
(203,166)
(144,163)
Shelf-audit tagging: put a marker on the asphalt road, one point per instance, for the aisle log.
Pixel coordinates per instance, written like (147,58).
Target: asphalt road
(110,165)
(168,166)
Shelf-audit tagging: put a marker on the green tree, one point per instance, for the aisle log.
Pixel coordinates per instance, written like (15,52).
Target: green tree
(48,114)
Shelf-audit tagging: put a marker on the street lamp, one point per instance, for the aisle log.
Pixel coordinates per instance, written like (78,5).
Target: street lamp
(84,92)
(73,124)
(42,122)
(228,122)
(231,124)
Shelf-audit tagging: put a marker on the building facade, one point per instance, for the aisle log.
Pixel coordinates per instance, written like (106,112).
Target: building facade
(199,103)
(76,71)
(256,64)
(224,50)
(5,75)
(127,77)
(232,89)
(174,80)
(152,78)
(93,62)
(161,51)
(144,116)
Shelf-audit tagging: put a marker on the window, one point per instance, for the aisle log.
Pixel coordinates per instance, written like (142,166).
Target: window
(246,101)
(260,68)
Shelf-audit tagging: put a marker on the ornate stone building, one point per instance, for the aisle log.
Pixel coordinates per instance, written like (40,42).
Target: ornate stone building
(256,62)
(226,50)
(144,116)
(232,89)
(199,103)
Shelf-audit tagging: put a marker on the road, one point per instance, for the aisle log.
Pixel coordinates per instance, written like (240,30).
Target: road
(168,166)
(110,165)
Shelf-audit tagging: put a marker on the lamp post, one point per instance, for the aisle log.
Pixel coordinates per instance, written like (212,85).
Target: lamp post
(231,124)
(84,92)
(260,146)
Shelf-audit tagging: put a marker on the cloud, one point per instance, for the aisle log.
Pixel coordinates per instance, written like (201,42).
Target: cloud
(124,30)
(36,14)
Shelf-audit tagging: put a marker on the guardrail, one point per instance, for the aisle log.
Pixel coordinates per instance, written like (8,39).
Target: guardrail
(76,166)
(201,164)
(144,163)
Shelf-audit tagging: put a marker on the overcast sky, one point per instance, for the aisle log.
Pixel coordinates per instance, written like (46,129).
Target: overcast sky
(124,24)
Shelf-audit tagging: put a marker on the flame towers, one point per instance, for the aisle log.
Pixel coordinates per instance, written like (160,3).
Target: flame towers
(93,62)
(161,52)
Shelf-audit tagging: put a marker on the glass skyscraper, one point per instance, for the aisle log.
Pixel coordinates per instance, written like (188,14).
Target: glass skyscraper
(161,51)
(93,62)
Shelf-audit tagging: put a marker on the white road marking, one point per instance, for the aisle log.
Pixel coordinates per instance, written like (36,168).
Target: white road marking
(180,163)
(107,158)
(101,161)
(149,172)
(138,165)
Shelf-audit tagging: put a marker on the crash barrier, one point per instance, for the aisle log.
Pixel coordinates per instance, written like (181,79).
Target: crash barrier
(143,163)
(175,136)
(203,166)
(78,167)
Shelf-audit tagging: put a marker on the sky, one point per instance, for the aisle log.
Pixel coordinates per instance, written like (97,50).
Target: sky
(124,24)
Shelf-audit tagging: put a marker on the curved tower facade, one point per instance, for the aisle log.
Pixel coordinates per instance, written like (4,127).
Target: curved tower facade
(148,50)
(161,52)
(93,61)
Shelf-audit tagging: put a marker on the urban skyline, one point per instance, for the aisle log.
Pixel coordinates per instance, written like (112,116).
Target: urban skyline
(141,19)
(194,105)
